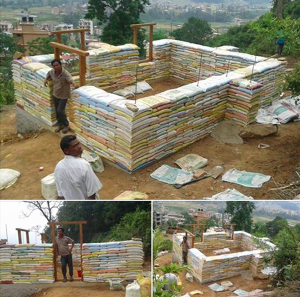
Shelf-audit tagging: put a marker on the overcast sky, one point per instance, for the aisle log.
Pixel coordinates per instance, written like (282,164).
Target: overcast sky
(11,218)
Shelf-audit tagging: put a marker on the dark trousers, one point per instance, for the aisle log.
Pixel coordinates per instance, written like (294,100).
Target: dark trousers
(184,258)
(280,48)
(60,111)
(64,261)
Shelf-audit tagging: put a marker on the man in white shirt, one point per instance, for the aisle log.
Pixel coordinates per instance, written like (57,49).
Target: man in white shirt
(74,176)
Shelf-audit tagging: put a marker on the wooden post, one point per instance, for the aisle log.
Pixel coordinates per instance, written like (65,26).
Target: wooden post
(151,43)
(81,243)
(202,232)
(135,37)
(19,237)
(232,231)
(54,251)
(19,230)
(82,40)
(27,236)
(58,37)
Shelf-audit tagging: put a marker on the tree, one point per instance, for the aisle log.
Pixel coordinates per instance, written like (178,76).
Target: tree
(275,226)
(46,208)
(260,229)
(241,212)
(133,225)
(286,256)
(194,30)
(41,45)
(117,17)
(188,219)
(8,47)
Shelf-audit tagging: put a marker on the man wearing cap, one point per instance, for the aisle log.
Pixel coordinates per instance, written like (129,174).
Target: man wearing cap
(65,252)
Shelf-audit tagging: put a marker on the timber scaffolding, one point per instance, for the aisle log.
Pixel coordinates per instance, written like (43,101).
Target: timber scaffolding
(217,266)
(161,124)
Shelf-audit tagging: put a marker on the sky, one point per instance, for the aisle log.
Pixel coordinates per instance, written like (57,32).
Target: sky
(11,217)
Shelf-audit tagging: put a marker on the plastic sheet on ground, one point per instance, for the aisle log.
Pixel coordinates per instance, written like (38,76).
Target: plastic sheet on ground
(269,270)
(240,292)
(191,162)
(229,194)
(170,175)
(131,195)
(280,112)
(217,288)
(244,178)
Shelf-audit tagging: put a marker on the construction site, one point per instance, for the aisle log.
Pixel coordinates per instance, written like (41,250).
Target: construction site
(140,116)
(220,261)
(97,267)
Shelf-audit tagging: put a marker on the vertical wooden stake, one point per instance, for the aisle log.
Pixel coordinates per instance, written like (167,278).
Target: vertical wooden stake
(151,44)
(81,243)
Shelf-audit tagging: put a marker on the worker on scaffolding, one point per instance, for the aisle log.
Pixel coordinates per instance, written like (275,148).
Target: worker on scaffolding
(185,249)
(61,80)
(65,252)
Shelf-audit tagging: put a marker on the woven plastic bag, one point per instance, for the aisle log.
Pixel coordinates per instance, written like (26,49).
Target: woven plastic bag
(133,290)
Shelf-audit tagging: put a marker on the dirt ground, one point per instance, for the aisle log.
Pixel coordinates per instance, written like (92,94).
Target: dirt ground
(96,291)
(238,282)
(27,155)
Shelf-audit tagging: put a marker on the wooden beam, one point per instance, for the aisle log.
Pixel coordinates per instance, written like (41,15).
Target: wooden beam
(69,31)
(142,25)
(70,49)
(67,223)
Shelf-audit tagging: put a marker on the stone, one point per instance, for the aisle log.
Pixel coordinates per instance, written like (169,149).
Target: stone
(196,292)
(227,132)
(199,173)
(226,284)
(258,131)
(247,275)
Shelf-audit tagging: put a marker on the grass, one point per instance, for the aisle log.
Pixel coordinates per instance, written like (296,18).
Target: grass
(43,15)
(257,219)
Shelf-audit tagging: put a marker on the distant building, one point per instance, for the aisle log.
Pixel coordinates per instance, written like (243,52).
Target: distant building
(55,10)
(26,32)
(64,27)
(200,215)
(87,24)
(5,26)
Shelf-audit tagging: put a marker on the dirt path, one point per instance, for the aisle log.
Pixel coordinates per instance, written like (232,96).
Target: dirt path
(238,282)
(27,155)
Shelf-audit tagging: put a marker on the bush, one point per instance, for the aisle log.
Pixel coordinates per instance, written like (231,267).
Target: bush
(292,81)
(166,245)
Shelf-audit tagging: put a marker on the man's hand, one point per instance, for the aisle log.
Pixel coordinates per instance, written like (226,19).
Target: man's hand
(71,249)
(46,83)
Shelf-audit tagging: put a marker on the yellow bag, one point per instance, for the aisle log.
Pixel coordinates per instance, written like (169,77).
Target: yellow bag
(145,284)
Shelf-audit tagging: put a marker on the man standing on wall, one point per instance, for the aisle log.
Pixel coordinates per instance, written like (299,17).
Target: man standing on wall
(62,80)
(62,249)
(185,249)
(74,176)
